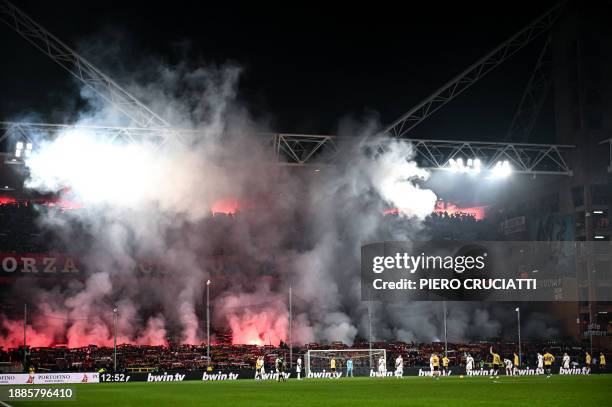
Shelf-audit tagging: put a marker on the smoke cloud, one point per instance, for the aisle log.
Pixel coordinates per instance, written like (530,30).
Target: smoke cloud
(149,242)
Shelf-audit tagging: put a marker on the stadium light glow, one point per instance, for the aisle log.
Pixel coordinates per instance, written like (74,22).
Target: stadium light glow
(23,149)
(477,165)
(599,237)
(502,169)
(598,212)
(472,165)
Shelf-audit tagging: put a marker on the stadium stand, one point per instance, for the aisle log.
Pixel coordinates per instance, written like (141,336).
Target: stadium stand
(230,357)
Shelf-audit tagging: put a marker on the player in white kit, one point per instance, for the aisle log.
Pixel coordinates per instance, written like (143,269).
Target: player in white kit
(566,361)
(508,364)
(298,368)
(399,367)
(540,369)
(469,364)
(382,366)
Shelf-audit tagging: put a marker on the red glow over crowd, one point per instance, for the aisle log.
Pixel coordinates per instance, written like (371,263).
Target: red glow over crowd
(478,212)
(228,206)
(63,204)
(450,209)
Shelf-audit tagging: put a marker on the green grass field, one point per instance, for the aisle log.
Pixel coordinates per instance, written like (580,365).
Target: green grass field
(557,391)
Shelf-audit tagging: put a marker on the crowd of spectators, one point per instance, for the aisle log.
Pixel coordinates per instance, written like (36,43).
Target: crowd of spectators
(459,226)
(22,232)
(18,229)
(194,357)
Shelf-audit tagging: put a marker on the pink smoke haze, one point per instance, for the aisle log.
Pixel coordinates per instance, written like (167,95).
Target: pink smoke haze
(259,328)
(259,318)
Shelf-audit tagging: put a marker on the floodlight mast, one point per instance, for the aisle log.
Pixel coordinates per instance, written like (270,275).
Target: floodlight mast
(474,73)
(533,97)
(79,67)
(301,150)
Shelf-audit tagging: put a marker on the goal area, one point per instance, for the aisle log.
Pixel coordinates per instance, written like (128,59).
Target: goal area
(364,360)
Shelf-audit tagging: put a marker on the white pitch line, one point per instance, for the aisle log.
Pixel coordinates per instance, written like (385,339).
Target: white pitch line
(5,404)
(515,381)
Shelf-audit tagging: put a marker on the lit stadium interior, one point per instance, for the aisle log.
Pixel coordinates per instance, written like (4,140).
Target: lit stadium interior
(174,209)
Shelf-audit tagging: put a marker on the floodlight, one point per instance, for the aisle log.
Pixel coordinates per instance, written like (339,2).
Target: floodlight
(469,165)
(477,166)
(502,169)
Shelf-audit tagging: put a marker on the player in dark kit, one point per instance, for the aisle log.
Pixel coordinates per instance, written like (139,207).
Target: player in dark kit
(280,369)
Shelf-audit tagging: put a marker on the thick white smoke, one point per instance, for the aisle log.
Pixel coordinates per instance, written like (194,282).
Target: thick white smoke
(297,228)
(142,203)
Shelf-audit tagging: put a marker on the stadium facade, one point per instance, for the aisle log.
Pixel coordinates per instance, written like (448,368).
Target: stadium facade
(576,207)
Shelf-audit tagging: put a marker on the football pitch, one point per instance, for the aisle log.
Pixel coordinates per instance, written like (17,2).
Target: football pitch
(595,390)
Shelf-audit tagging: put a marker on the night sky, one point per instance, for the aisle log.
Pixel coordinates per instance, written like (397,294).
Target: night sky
(306,67)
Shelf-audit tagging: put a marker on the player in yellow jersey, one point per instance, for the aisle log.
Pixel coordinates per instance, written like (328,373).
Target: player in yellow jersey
(496,363)
(445,363)
(332,365)
(31,372)
(548,361)
(258,366)
(587,363)
(602,363)
(517,363)
(434,364)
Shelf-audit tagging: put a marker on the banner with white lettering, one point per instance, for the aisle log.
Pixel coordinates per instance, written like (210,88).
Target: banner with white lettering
(49,378)
(249,374)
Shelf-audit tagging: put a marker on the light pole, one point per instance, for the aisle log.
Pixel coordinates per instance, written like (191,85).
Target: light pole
(445,332)
(208,322)
(370,329)
(518,316)
(115,309)
(25,349)
(290,339)
(588,236)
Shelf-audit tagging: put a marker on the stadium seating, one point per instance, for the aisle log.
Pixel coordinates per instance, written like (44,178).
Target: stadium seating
(193,357)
